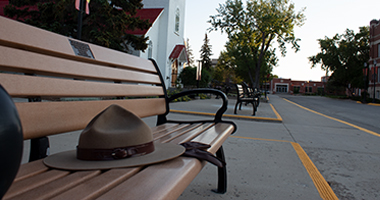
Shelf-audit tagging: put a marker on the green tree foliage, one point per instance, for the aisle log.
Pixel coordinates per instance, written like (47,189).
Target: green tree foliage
(206,53)
(244,62)
(259,23)
(106,25)
(225,71)
(344,55)
(187,77)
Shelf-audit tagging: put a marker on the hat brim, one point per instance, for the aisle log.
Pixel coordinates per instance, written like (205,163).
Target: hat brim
(68,161)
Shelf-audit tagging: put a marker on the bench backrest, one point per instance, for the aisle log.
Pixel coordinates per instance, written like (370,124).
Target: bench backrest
(63,83)
(240,91)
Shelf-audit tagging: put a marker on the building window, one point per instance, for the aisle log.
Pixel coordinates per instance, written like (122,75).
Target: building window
(296,89)
(177,17)
(308,89)
(378,50)
(282,88)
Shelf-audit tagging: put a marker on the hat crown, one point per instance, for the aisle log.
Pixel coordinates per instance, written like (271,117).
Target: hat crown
(113,128)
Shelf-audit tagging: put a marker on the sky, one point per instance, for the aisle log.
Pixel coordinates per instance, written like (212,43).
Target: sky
(323,18)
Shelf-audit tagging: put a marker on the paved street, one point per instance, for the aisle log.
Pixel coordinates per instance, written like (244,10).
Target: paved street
(348,158)
(365,116)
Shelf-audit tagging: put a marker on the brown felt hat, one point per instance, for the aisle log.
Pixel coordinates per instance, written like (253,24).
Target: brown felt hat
(114,138)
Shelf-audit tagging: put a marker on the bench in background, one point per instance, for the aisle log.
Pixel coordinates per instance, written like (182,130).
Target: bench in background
(248,96)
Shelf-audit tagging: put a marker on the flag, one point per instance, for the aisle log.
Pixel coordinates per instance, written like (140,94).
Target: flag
(77,6)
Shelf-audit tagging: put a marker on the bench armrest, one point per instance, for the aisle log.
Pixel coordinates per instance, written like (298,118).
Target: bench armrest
(161,119)
(221,110)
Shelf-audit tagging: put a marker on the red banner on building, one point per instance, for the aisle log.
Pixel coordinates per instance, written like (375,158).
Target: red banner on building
(77,5)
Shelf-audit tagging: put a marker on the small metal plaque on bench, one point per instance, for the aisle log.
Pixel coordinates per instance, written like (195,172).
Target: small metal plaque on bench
(81,49)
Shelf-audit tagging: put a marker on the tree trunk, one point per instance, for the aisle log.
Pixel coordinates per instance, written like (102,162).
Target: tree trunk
(256,81)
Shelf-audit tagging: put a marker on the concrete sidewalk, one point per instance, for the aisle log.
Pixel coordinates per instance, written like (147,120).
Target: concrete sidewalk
(265,111)
(263,160)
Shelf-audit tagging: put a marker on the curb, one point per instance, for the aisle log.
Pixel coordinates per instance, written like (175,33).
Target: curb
(268,119)
(371,104)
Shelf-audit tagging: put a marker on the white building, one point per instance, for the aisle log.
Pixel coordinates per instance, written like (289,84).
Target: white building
(166,36)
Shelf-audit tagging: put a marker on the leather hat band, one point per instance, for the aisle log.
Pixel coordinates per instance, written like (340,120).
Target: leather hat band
(116,153)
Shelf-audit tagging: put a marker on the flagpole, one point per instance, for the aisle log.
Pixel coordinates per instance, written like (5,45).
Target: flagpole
(80,19)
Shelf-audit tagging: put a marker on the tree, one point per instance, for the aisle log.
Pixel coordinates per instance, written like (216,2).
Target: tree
(344,55)
(258,23)
(225,70)
(187,77)
(189,52)
(206,53)
(241,58)
(106,25)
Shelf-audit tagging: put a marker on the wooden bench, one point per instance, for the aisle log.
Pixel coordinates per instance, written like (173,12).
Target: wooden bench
(250,92)
(246,95)
(65,83)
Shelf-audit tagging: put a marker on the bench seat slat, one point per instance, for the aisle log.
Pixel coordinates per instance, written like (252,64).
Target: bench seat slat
(30,169)
(169,131)
(175,175)
(191,134)
(26,86)
(148,184)
(98,185)
(46,118)
(34,182)
(15,35)
(183,131)
(214,134)
(30,62)
(163,127)
(47,191)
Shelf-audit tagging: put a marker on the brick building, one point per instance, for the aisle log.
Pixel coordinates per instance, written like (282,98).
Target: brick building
(279,85)
(374,60)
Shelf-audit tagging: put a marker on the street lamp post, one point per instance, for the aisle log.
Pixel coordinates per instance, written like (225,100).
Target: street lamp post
(374,80)
(365,78)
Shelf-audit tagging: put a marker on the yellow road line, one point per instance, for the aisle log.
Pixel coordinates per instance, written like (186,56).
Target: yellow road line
(275,112)
(277,119)
(335,119)
(320,183)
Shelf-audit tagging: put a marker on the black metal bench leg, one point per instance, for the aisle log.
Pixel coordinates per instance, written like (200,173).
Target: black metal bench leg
(39,148)
(236,105)
(222,174)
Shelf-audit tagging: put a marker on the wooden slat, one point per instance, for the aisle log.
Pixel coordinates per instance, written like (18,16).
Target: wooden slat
(27,86)
(20,35)
(177,173)
(46,118)
(47,191)
(98,185)
(191,134)
(156,182)
(25,185)
(169,131)
(178,133)
(215,136)
(30,169)
(29,62)
(162,127)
